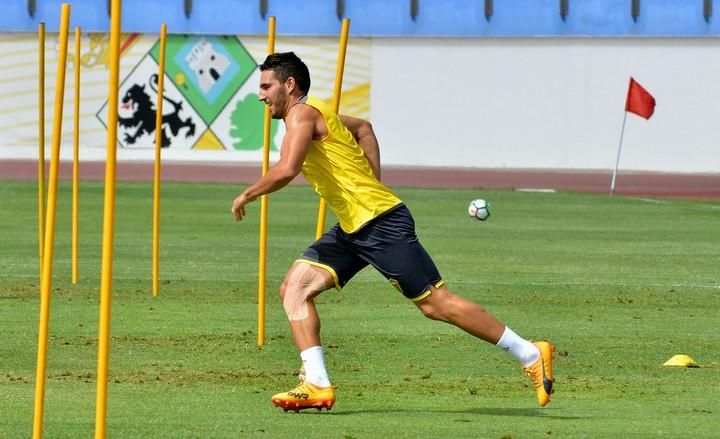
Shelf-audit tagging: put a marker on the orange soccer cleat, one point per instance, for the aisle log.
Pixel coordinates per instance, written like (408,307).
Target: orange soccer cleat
(305,396)
(541,372)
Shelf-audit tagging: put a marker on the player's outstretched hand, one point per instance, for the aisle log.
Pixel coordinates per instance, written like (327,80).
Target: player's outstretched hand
(238,207)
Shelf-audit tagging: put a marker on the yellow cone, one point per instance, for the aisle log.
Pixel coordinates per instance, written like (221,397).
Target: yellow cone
(681,360)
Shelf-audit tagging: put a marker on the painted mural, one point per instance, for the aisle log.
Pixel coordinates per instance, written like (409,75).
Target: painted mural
(210,99)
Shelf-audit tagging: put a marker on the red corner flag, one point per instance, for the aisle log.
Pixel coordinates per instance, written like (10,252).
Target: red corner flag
(639,101)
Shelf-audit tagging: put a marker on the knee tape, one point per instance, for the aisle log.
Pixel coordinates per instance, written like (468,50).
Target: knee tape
(303,283)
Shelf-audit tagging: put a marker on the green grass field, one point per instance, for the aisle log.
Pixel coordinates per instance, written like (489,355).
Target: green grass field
(618,284)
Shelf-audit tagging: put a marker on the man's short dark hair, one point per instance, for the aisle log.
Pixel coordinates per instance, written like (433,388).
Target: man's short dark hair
(286,65)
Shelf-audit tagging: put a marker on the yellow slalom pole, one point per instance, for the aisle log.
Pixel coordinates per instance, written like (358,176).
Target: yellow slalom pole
(76,162)
(322,209)
(41,142)
(158,147)
(47,262)
(108,226)
(264,204)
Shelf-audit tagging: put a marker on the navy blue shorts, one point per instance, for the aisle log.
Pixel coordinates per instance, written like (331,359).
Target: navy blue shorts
(388,243)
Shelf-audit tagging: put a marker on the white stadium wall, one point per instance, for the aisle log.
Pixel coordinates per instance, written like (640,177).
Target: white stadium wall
(539,103)
(546,103)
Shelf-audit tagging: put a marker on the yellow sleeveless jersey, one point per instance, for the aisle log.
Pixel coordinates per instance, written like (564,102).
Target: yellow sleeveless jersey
(337,169)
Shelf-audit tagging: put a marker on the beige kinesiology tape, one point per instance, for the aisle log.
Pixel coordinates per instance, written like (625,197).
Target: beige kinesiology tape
(304,282)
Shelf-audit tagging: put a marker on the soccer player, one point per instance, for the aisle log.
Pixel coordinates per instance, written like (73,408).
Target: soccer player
(339,156)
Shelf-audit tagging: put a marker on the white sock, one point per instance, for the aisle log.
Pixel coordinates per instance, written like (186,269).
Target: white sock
(314,365)
(523,351)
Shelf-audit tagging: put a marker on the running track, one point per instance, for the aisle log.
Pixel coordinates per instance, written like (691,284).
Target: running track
(644,184)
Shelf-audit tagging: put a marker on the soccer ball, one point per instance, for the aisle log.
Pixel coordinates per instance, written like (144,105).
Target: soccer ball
(479,209)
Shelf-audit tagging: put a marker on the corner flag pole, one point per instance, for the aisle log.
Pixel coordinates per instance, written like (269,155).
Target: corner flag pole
(617,160)
(322,210)
(108,225)
(50,218)
(158,147)
(264,203)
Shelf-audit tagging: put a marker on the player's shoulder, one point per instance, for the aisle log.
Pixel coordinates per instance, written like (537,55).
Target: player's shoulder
(302,112)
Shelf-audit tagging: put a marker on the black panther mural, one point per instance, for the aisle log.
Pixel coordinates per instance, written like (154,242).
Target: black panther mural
(144,114)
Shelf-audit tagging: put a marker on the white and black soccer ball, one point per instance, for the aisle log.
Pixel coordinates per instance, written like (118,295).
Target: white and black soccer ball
(479,209)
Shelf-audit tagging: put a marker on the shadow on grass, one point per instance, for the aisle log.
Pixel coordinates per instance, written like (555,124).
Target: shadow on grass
(481,411)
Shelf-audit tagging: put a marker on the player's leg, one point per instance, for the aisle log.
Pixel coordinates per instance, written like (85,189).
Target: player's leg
(324,264)
(440,303)
(444,305)
(390,244)
(302,283)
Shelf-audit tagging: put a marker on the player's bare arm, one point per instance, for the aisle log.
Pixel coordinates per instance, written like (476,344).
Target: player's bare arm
(365,136)
(300,125)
